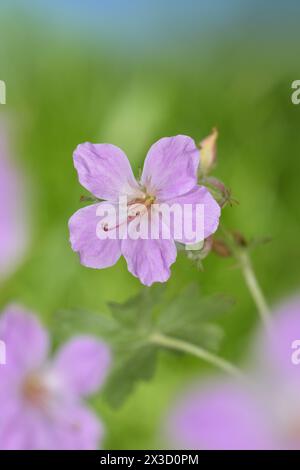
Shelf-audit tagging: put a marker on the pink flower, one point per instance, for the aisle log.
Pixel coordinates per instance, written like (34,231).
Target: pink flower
(13,229)
(222,414)
(169,177)
(41,403)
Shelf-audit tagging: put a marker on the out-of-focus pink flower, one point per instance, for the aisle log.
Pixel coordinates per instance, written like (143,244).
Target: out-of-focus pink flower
(265,415)
(13,226)
(169,177)
(41,399)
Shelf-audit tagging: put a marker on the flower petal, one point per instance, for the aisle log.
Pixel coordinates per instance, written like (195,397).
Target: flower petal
(93,251)
(82,364)
(222,416)
(149,260)
(71,427)
(14,433)
(77,428)
(104,170)
(279,350)
(25,339)
(198,199)
(170,168)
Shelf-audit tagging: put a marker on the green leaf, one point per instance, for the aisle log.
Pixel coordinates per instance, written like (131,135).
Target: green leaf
(190,317)
(131,314)
(137,312)
(206,335)
(138,365)
(67,323)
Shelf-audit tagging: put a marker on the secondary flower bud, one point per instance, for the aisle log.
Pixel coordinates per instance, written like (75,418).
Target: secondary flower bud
(239,239)
(221,248)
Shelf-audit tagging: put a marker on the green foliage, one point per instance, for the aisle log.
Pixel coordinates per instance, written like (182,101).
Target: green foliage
(190,316)
(129,328)
(138,364)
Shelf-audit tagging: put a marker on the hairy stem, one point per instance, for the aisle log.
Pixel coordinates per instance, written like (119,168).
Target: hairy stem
(254,287)
(242,256)
(183,346)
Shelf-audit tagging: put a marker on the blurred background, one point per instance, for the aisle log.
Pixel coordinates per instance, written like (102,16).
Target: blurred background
(128,73)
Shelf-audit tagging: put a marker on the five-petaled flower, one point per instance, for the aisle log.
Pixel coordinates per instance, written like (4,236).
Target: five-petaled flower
(41,405)
(169,177)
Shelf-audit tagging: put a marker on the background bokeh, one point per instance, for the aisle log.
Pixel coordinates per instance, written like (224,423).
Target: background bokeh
(130,72)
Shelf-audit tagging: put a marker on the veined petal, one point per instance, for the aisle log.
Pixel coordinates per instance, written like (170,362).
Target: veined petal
(104,170)
(149,260)
(93,251)
(170,168)
(82,364)
(195,213)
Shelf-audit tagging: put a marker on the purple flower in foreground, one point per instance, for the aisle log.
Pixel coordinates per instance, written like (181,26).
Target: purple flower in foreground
(169,177)
(13,229)
(230,415)
(41,406)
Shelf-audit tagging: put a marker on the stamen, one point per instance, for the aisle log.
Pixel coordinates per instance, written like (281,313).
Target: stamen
(135,208)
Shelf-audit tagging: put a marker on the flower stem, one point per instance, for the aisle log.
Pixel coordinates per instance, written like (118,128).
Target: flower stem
(242,256)
(183,346)
(254,287)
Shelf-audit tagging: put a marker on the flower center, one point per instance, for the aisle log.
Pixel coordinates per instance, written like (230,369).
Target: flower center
(139,206)
(135,208)
(34,390)
(147,201)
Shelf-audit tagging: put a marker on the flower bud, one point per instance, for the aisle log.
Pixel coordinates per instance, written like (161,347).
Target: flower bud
(239,239)
(219,191)
(221,248)
(199,251)
(208,152)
